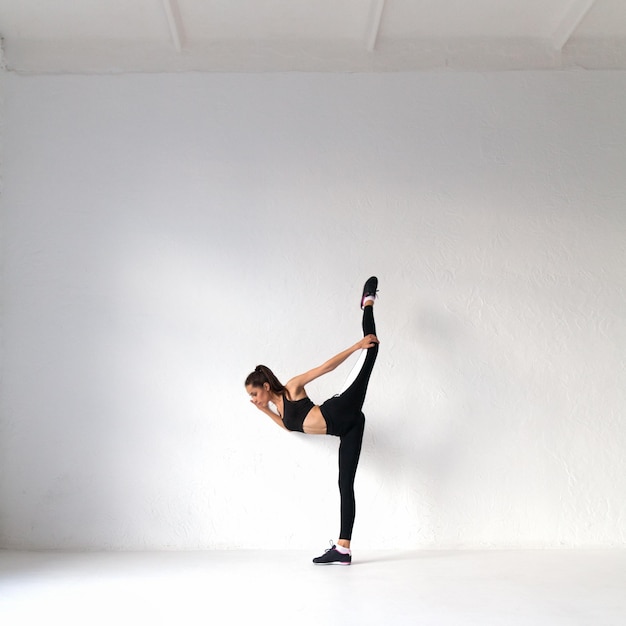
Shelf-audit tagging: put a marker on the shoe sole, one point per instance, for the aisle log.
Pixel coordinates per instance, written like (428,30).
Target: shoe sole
(333,563)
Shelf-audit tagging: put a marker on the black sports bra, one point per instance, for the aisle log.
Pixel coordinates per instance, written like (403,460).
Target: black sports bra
(294,413)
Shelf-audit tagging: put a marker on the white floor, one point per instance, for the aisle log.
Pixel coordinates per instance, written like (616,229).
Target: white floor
(256,587)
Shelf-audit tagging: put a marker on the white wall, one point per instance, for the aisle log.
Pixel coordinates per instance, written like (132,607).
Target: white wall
(164,234)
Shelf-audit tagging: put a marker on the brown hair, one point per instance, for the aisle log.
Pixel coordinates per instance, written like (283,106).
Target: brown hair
(263,374)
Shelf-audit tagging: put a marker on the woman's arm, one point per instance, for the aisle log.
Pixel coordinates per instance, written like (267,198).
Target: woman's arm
(295,386)
(268,411)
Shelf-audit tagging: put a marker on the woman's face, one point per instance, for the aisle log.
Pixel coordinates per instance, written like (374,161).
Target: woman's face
(259,396)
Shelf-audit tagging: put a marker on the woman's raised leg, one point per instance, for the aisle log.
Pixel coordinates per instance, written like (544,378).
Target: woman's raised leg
(354,396)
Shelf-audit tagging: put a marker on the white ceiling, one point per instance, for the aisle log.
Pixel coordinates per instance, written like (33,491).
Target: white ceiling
(41,36)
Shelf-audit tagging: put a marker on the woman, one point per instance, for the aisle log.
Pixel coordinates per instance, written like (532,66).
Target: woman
(341,415)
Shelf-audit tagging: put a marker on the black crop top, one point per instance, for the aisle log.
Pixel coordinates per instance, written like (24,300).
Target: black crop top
(294,413)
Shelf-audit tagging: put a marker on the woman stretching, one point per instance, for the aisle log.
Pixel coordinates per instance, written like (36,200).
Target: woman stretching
(341,415)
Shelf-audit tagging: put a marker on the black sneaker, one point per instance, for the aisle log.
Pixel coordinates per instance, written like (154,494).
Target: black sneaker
(332,556)
(370,288)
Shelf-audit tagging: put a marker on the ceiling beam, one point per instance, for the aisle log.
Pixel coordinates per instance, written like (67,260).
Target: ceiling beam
(175,23)
(376,16)
(570,22)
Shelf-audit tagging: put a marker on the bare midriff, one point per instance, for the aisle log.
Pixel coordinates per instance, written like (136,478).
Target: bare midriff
(314,423)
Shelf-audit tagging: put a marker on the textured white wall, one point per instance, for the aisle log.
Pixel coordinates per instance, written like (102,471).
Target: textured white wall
(164,234)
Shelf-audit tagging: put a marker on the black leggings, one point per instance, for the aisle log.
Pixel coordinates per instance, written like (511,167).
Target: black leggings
(345,419)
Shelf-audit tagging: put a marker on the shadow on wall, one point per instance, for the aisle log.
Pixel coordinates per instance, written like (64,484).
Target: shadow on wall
(456,403)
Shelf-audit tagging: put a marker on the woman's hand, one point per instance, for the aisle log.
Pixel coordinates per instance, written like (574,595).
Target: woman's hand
(265,408)
(368,342)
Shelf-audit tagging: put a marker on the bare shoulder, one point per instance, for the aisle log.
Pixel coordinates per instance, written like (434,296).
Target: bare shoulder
(295,389)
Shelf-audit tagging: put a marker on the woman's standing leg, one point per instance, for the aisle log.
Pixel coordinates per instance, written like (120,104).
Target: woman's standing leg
(349,453)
